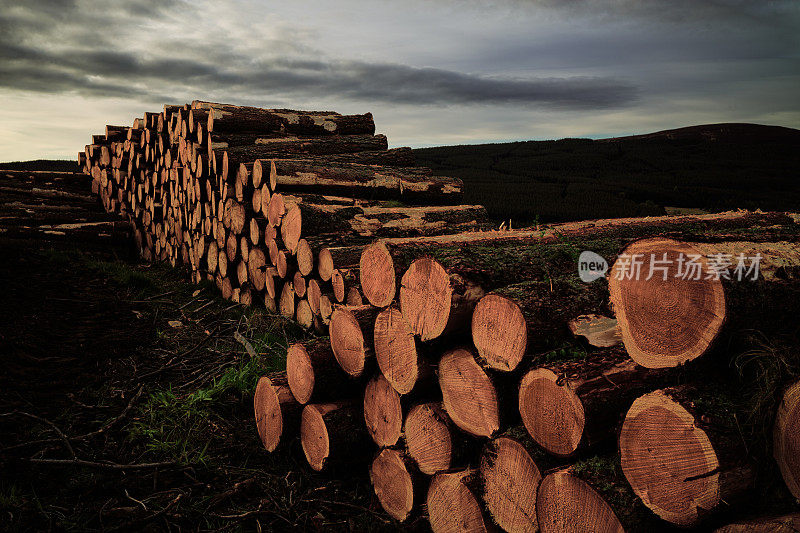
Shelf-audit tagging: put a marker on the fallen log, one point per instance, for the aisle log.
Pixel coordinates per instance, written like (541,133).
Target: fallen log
(277,147)
(313,373)
(469,396)
(351,333)
(682,461)
(571,405)
(224,118)
(670,296)
(392,481)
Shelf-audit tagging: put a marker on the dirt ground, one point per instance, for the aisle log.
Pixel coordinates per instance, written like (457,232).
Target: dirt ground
(126,404)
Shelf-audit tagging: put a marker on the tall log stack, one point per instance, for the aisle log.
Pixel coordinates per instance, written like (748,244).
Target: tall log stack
(444,374)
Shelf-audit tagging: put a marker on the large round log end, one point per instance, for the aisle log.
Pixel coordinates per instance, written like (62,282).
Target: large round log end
(670,318)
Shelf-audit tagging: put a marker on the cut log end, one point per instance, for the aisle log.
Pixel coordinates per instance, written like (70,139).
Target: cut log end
(428,438)
(452,506)
(377,275)
(566,504)
(300,372)
(668,460)
(786,438)
(396,350)
(510,481)
(291,227)
(469,396)
(325,264)
(267,407)
(665,320)
(347,341)
(551,412)
(305,258)
(499,332)
(392,484)
(425,297)
(382,412)
(314,437)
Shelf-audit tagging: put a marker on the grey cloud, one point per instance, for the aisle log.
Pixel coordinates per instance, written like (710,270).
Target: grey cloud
(32,66)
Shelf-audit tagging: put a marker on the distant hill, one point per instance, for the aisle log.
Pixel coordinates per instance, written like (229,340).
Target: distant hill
(55,165)
(710,167)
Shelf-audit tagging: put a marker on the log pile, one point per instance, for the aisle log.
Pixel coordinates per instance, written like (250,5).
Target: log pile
(247,197)
(438,371)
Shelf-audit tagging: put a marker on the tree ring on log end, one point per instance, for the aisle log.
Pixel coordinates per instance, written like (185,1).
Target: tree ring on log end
(269,419)
(468,394)
(392,484)
(551,412)
(666,320)
(510,482)
(567,504)
(499,332)
(299,372)
(425,297)
(428,438)
(668,460)
(377,275)
(396,350)
(347,341)
(314,437)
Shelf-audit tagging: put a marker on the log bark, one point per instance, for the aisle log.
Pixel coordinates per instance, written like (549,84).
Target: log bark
(410,185)
(789,523)
(275,147)
(681,460)
(224,118)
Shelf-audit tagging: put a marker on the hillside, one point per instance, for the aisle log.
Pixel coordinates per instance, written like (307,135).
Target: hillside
(711,167)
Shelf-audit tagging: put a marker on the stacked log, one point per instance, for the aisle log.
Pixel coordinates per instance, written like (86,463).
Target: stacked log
(442,374)
(233,194)
(458,385)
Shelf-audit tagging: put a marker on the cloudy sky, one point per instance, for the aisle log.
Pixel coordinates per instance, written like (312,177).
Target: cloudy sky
(432,72)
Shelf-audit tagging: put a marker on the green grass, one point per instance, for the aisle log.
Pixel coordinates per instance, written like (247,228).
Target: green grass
(179,426)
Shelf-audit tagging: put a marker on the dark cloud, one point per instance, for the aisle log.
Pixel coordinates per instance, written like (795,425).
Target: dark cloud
(31,63)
